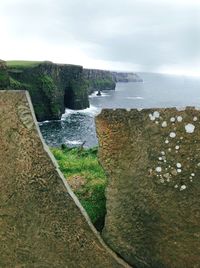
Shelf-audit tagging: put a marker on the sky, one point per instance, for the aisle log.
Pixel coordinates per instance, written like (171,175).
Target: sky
(130,35)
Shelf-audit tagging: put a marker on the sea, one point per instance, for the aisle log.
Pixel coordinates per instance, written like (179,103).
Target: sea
(77,127)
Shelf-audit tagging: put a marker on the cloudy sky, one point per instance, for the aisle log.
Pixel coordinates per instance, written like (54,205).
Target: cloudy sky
(137,35)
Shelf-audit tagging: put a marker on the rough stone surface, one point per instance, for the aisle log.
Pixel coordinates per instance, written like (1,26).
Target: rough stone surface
(152,158)
(41,222)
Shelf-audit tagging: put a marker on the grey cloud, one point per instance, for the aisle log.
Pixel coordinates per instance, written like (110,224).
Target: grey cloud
(147,33)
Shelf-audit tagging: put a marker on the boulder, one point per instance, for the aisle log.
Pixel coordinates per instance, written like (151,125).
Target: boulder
(153,197)
(42,224)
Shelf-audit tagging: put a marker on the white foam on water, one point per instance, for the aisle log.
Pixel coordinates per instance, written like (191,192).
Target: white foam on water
(92,111)
(94,95)
(73,142)
(134,98)
(46,122)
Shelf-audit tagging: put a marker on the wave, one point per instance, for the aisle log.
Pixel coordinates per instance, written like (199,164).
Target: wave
(92,111)
(73,142)
(134,98)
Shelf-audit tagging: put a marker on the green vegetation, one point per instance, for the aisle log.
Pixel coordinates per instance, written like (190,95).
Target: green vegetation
(47,84)
(103,83)
(22,64)
(100,84)
(87,178)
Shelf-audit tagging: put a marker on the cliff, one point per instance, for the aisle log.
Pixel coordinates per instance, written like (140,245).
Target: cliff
(106,80)
(4,77)
(126,77)
(53,87)
(98,80)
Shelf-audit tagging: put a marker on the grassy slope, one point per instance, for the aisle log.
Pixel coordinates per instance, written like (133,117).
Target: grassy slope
(87,179)
(22,64)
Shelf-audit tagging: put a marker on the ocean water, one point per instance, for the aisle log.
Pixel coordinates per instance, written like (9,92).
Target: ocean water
(156,91)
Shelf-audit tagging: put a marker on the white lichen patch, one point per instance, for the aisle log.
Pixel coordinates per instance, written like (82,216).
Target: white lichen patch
(183,187)
(178,165)
(189,128)
(152,118)
(156,114)
(172,135)
(195,118)
(164,124)
(172,119)
(158,169)
(179,118)
(170,168)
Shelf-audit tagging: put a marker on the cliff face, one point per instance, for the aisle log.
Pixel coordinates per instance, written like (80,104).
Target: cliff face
(53,87)
(4,77)
(106,80)
(98,80)
(126,77)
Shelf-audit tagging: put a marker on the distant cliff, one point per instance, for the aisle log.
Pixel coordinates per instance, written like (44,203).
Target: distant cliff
(98,80)
(106,80)
(126,77)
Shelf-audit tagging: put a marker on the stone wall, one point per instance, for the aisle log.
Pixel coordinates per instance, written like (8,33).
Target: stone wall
(42,224)
(152,158)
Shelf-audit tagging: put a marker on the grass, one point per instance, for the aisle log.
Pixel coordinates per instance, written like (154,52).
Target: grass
(87,178)
(22,63)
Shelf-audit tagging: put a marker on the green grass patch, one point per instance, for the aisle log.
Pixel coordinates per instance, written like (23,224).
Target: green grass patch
(22,63)
(87,178)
